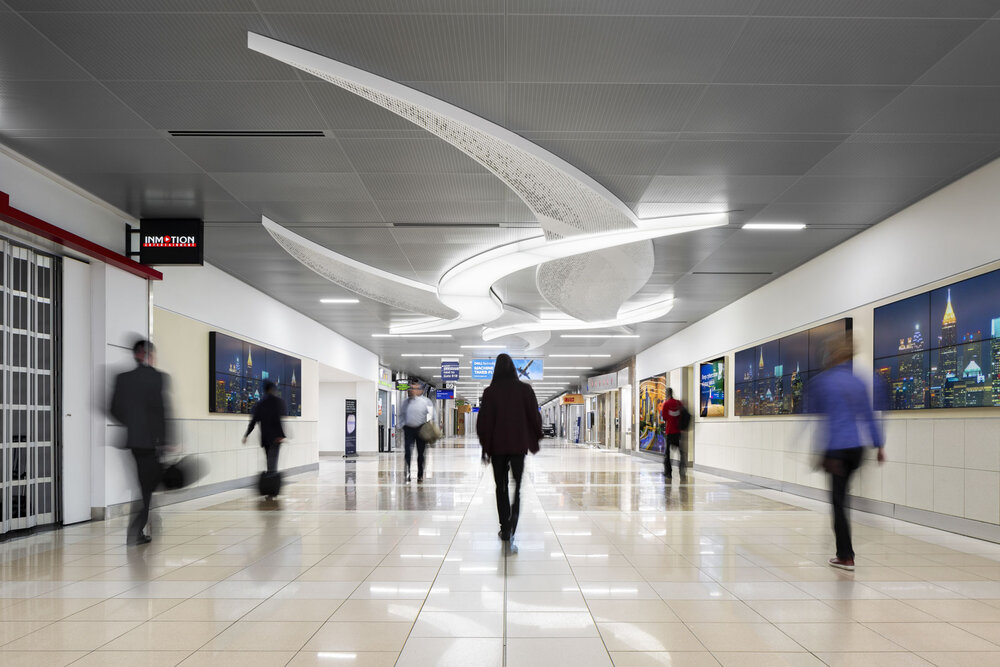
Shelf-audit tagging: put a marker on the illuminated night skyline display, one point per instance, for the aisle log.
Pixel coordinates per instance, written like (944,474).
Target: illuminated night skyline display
(771,378)
(238,372)
(941,348)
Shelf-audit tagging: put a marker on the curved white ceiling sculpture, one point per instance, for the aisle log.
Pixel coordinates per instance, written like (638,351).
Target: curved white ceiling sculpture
(565,200)
(360,278)
(465,289)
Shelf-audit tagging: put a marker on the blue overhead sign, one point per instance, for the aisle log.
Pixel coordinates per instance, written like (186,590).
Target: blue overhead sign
(527,369)
(449,370)
(445,394)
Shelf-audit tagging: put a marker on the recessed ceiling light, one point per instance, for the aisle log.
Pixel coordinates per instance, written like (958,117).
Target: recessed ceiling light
(483,347)
(780,226)
(423,354)
(339,301)
(599,336)
(568,356)
(389,335)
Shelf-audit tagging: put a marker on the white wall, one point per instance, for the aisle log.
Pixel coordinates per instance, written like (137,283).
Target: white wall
(190,302)
(214,297)
(942,461)
(182,353)
(331,427)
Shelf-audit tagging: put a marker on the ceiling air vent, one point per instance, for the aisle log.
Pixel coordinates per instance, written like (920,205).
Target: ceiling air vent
(247,133)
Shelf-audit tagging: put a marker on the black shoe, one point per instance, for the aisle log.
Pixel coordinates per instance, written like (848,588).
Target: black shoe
(420,479)
(141,539)
(504,535)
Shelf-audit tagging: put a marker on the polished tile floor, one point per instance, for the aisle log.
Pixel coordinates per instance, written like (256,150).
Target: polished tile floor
(609,566)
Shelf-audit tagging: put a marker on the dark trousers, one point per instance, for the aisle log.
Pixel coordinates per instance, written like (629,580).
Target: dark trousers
(508,513)
(410,437)
(675,440)
(841,464)
(271,454)
(149,471)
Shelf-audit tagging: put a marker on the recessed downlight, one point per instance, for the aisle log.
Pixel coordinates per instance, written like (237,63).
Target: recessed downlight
(775,226)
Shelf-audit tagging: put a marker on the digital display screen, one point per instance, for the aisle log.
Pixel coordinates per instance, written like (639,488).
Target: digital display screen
(239,370)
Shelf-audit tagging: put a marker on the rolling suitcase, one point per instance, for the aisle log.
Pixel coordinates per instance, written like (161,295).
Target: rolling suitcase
(269,483)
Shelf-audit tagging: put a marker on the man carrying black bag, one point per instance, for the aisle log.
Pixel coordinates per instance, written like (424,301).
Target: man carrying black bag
(269,412)
(139,403)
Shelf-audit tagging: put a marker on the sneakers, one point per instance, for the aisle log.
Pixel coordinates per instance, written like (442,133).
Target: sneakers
(407,475)
(843,564)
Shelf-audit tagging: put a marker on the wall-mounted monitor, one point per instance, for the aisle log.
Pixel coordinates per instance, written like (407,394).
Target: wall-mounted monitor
(712,379)
(652,394)
(940,349)
(771,378)
(238,370)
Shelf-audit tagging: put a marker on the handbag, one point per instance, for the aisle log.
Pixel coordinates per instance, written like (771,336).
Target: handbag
(183,472)
(429,432)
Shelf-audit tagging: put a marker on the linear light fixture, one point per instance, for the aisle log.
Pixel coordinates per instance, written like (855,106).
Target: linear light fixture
(483,347)
(562,377)
(775,226)
(425,354)
(568,356)
(340,300)
(599,335)
(426,335)
(569,368)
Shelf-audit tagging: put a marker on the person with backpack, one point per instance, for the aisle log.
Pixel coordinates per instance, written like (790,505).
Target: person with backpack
(676,419)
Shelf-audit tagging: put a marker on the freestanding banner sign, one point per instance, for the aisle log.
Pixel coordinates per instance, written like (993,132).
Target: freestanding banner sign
(351,430)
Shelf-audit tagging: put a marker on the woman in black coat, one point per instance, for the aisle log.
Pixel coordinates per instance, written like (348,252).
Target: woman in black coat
(509,426)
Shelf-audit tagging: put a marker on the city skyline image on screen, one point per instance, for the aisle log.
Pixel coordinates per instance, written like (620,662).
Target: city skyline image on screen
(941,348)
(772,378)
(239,370)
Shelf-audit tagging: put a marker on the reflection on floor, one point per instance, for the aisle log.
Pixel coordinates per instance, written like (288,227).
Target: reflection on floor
(354,567)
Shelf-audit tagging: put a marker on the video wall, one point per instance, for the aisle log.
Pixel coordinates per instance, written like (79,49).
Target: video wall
(712,379)
(652,394)
(771,379)
(940,349)
(238,370)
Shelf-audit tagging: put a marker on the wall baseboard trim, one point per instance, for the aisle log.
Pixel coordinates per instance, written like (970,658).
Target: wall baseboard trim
(332,453)
(951,524)
(170,497)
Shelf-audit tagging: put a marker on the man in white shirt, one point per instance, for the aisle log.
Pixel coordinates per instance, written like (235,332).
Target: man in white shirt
(416,411)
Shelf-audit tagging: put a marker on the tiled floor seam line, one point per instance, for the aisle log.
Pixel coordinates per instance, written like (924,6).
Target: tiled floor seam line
(562,548)
(360,583)
(465,514)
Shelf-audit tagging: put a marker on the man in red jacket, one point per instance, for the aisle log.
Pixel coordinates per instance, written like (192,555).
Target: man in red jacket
(671,411)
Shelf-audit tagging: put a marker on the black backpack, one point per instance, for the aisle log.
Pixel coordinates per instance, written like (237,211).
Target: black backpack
(684,421)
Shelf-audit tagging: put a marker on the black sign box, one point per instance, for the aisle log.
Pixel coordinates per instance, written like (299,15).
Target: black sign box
(171,241)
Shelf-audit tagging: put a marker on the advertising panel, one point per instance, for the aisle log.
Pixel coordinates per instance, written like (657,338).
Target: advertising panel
(713,388)
(238,370)
(527,369)
(652,394)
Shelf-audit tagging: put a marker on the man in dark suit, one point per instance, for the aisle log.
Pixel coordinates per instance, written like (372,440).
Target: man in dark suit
(269,412)
(139,403)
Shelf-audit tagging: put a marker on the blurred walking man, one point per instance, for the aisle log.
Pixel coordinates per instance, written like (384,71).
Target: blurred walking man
(139,403)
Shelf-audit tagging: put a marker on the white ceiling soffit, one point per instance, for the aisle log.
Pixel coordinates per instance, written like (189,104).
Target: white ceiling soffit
(565,201)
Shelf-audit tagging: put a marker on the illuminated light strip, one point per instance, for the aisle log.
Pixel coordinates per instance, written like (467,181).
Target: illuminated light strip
(638,313)
(466,288)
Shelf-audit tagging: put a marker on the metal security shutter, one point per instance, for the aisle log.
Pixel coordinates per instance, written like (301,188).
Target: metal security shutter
(28,398)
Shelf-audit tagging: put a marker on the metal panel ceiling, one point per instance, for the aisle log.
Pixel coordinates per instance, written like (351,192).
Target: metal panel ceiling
(835,113)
